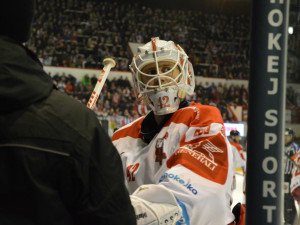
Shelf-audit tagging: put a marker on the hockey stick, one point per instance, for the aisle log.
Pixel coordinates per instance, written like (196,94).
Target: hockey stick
(108,64)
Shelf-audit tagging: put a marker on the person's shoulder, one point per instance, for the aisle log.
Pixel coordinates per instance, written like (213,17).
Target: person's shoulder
(207,112)
(197,114)
(69,102)
(201,107)
(10,49)
(233,145)
(238,146)
(74,115)
(296,146)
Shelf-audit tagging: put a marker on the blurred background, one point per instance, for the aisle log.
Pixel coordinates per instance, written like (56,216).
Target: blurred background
(72,37)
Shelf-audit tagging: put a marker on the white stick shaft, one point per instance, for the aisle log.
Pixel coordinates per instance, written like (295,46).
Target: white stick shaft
(100,83)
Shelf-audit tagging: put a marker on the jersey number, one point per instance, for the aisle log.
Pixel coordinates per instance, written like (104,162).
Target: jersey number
(163,102)
(130,170)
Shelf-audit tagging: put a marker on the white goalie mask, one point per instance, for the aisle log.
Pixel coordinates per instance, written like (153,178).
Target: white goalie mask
(162,75)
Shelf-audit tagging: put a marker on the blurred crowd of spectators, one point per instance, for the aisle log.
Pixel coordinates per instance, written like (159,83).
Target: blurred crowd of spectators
(292,98)
(80,33)
(118,98)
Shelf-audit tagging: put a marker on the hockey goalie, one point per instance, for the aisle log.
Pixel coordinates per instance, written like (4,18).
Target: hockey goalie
(177,160)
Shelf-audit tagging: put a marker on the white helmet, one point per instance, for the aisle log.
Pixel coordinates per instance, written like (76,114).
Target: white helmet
(161,91)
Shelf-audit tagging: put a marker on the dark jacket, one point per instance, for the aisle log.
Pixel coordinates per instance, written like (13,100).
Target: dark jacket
(57,165)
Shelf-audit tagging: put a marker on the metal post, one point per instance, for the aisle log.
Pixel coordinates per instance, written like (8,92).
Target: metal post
(266,115)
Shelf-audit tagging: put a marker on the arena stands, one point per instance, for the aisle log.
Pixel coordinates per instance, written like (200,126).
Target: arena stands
(80,34)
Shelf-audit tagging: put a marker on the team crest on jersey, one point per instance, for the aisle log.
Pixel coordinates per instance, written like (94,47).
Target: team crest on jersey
(159,150)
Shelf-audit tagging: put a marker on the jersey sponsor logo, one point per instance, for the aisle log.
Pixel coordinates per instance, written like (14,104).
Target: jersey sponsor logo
(211,148)
(201,130)
(207,158)
(179,180)
(199,156)
(131,170)
(194,133)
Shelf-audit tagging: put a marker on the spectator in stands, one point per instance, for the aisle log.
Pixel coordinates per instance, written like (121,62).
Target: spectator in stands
(86,80)
(58,165)
(94,80)
(69,87)
(116,99)
(54,61)
(71,78)
(61,86)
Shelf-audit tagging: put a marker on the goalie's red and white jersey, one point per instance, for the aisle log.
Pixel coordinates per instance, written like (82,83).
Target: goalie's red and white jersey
(191,156)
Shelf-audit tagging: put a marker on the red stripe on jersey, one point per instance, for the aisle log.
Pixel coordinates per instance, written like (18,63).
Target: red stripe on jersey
(133,130)
(207,158)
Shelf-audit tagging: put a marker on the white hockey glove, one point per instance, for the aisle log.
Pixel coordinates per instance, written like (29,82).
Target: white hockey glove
(155,205)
